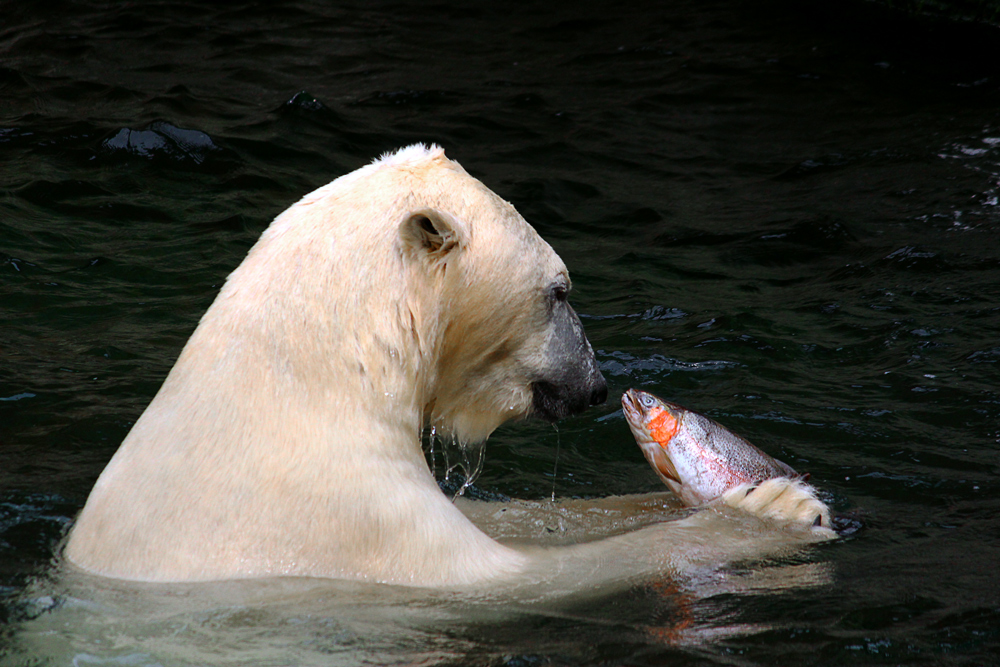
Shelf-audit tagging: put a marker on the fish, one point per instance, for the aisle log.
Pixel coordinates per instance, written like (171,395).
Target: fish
(697,458)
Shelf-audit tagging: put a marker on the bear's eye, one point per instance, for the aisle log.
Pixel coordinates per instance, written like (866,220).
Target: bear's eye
(559,292)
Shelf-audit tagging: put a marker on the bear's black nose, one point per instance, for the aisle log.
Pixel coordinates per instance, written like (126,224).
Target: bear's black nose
(600,393)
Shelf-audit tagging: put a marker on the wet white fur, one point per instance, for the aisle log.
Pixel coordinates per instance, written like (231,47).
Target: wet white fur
(786,502)
(286,438)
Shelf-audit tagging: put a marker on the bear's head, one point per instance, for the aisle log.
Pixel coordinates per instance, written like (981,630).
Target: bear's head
(421,290)
(508,343)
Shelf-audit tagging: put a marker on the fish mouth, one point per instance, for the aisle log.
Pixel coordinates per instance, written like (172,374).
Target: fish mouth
(631,407)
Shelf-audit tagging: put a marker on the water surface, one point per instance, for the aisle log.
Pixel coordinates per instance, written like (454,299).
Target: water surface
(784,218)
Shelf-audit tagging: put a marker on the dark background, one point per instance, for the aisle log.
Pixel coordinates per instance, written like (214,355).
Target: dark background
(781,214)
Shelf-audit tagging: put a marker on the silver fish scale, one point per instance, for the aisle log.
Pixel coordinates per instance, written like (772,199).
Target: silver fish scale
(733,450)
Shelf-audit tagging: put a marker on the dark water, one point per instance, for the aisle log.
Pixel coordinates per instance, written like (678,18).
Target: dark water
(786,218)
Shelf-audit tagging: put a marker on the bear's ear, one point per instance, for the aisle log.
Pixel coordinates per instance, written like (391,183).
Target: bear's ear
(434,234)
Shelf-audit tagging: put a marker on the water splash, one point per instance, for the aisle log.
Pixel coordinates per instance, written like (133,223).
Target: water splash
(445,454)
(473,456)
(555,465)
(432,460)
(465,458)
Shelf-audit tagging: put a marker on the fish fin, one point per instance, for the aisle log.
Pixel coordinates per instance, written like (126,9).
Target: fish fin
(664,465)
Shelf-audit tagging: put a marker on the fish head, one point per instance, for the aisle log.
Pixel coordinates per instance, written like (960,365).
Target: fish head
(654,423)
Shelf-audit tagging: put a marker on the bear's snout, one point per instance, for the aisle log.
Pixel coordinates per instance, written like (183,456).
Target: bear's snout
(573,381)
(600,393)
(581,387)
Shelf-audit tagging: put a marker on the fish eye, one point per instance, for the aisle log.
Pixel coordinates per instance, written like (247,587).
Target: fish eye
(647,400)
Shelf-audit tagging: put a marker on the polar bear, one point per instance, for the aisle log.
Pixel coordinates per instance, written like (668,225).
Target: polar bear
(286,440)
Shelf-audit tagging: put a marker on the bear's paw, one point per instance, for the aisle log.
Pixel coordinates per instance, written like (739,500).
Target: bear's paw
(788,502)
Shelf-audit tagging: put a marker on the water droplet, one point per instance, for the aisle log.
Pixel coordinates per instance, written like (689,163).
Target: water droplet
(555,465)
